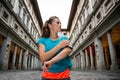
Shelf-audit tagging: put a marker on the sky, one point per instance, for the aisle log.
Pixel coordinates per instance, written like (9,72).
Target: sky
(59,8)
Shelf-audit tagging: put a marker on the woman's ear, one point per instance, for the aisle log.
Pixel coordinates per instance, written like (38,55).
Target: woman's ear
(49,25)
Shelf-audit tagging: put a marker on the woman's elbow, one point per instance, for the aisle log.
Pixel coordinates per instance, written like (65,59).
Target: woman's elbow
(69,50)
(42,60)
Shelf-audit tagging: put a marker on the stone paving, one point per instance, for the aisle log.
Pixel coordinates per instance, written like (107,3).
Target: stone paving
(75,75)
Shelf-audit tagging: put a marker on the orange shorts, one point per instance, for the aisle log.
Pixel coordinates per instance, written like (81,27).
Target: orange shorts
(62,75)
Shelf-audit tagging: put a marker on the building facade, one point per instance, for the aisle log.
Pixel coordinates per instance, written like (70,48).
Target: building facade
(20,28)
(95,35)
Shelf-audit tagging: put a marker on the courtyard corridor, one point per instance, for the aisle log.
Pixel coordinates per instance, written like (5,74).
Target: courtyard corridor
(75,75)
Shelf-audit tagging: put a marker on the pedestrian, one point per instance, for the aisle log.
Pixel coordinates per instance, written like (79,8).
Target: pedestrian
(54,51)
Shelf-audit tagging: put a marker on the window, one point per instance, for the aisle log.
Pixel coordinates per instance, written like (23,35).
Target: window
(25,37)
(23,16)
(28,19)
(21,33)
(29,41)
(107,2)
(82,37)
(5,16)
(31,28)
(98,16)
(16,27)
(19,9)
(90,27)
(108,5)
(10,0)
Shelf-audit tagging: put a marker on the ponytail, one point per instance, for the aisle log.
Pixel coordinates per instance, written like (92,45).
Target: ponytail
(46,30)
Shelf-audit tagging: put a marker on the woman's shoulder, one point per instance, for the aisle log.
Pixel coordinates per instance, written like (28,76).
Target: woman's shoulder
(64,37)
(41,40)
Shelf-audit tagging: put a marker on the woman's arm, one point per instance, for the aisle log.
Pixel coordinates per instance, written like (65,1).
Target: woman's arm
(57,58)
(44,56)
(61,55)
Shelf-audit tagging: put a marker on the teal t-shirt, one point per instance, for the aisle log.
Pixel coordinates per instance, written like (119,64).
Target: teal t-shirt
(49,44)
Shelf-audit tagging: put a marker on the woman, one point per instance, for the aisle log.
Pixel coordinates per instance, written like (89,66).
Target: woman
(54,51)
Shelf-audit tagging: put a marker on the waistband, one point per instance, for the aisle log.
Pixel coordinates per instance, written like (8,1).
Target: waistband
(61,75)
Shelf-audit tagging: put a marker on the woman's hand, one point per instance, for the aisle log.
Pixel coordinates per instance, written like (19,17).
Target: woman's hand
(63,43)
(47,65)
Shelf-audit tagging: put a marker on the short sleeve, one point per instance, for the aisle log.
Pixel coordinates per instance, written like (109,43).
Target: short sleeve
(40,41)
(65,38)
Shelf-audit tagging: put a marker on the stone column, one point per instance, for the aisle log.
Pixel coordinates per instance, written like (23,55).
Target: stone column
(20,58)
(99,54)
(35,62)
(39,65)
(4,55)
(29,60)
(25,60)
(113,66)
(79,61)
(86,55)
(14,58)
(32,62)
(91,58)
(73,61)
(82,60)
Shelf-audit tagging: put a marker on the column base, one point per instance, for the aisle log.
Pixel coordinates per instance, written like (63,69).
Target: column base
(114,67)
(92,68)
(101,68)
(4,66)
(14,68)
(87,68)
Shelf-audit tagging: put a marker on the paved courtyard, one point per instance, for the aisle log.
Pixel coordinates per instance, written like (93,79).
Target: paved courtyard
(75,75)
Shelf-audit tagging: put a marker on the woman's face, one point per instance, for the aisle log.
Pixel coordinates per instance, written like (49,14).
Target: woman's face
(56,25)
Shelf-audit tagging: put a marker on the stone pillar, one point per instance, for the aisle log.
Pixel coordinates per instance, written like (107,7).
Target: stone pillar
(14,58)
(20,58)
(113,66)
(73,63)
(32,62)
(82,60)
(29,61)
(107,61)
(79,61)
(91,58)
(4,55)
(35,62)
(38,66)
(25,60)
(99,54)
(86,55)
